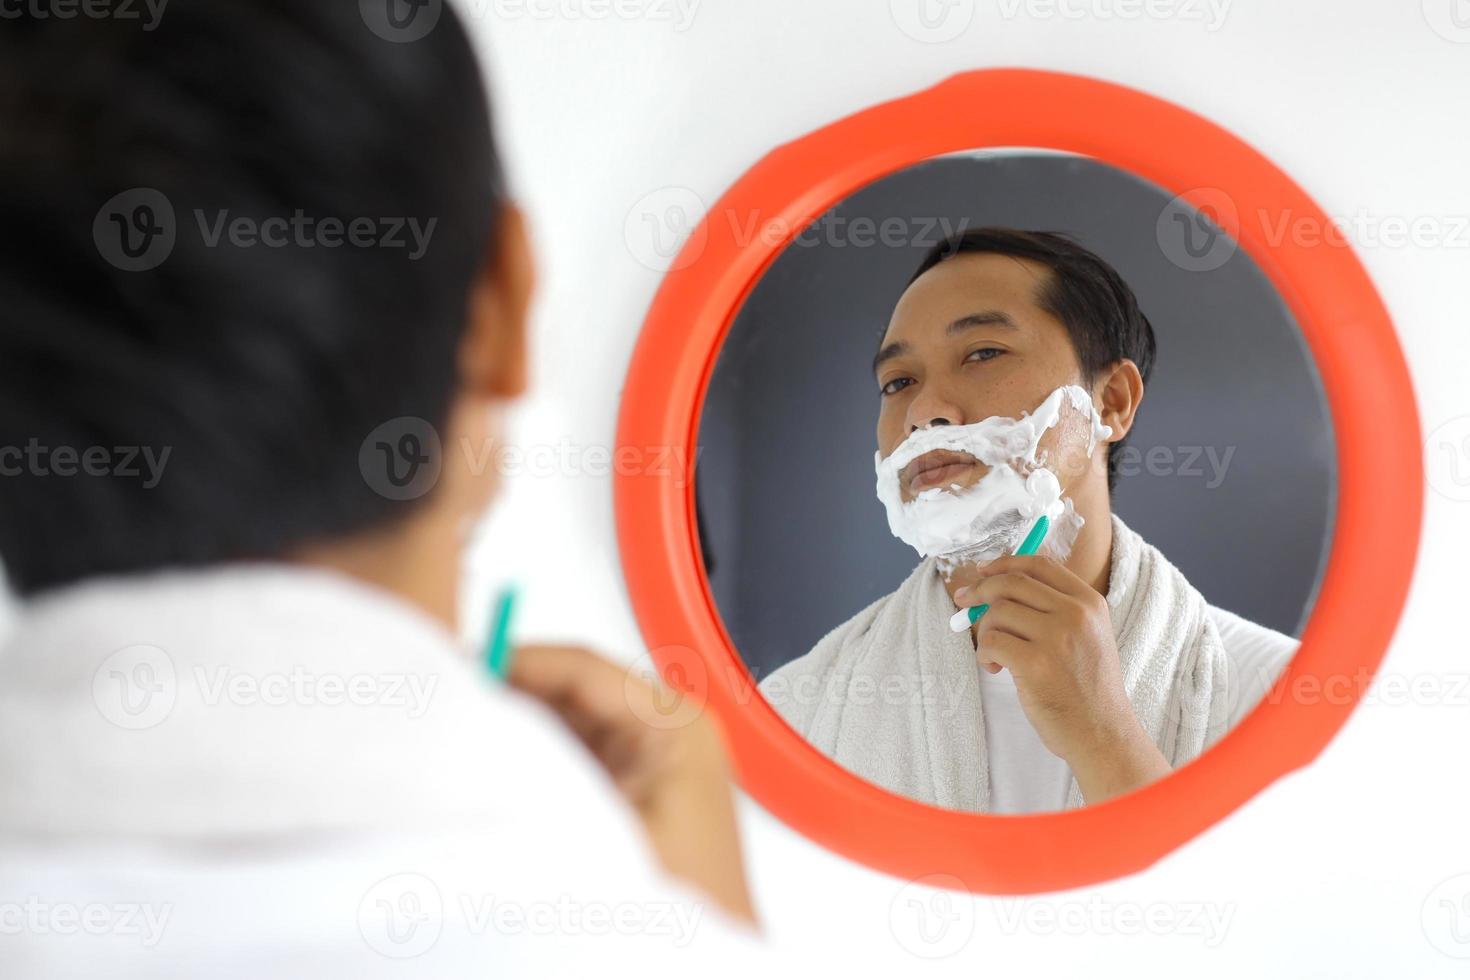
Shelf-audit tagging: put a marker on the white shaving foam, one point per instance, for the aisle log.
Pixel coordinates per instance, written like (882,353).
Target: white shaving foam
(982,522)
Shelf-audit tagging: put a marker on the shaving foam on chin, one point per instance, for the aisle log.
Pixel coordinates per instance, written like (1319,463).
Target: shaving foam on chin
(982,522)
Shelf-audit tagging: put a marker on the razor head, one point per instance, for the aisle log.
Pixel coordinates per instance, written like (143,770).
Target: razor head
(999,537)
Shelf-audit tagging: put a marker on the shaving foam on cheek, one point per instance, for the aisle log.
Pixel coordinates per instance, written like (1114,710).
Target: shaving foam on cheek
(982,522)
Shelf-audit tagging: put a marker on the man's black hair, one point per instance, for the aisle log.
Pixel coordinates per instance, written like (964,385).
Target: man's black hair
(1084,292)
(259,369)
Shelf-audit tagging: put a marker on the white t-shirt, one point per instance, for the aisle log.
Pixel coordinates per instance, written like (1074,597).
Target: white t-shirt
(273,772)
(1025,777)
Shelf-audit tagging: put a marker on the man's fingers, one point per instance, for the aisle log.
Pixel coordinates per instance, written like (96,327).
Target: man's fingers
(1012,586)
(590,692)
(546,672)
(1008,616)
(1046,570)
(999,647)
(551,669)
(573,676)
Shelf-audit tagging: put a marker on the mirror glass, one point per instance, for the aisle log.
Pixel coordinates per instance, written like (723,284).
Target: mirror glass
(981,349)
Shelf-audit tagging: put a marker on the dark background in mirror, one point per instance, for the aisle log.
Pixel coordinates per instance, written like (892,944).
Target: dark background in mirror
(795,540)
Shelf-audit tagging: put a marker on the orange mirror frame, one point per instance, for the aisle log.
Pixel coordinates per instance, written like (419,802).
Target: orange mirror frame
(1379,476)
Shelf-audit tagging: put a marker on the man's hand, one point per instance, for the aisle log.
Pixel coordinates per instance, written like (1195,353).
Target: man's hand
(1052,631)
(675,774)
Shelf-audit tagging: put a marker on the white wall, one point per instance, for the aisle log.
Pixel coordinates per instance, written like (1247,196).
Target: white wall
(1331,872)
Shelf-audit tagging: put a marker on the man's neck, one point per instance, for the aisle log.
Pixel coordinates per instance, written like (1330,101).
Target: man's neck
(1092,553)
(418,562)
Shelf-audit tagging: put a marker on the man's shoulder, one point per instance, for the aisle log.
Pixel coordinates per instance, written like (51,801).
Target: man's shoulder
(789,687)
(793,689)
(1257,655)
(822,657)
(1249,642)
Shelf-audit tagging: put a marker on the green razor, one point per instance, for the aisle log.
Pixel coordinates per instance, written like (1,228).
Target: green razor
(497,647)
(968,617)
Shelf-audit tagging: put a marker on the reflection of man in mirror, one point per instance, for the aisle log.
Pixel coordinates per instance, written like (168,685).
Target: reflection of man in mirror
(1011,371)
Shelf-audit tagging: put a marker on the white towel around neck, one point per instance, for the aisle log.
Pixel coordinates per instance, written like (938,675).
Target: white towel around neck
(893,695)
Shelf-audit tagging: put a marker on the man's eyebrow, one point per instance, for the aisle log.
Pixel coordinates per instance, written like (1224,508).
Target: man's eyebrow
(985,318)
(888,353)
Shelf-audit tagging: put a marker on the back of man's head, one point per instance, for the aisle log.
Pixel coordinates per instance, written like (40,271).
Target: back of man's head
(245,238)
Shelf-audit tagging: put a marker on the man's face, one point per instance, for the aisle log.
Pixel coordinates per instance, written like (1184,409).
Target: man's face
(968,341)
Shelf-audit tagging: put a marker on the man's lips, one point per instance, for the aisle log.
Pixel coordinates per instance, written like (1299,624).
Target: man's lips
(935,469)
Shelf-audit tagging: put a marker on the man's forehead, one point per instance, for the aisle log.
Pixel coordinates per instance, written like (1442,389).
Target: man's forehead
(965,285)
(985,278)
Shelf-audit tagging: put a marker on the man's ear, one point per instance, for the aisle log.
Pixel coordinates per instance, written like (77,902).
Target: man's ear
(493,357)
(1120,391)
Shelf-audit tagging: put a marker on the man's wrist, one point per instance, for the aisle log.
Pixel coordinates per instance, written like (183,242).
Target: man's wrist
(1118,761)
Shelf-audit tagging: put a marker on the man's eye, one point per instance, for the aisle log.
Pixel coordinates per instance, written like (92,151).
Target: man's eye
(987,353)
(893,387)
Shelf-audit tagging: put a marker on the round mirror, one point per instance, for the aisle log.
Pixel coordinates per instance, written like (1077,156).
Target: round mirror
(1043,488)
(1040,271)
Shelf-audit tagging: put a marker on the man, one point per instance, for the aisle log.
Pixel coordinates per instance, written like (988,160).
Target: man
(1095,669)
(258,263)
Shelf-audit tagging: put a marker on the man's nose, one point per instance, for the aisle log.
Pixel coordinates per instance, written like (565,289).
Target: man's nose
(937,420)
(933,408)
